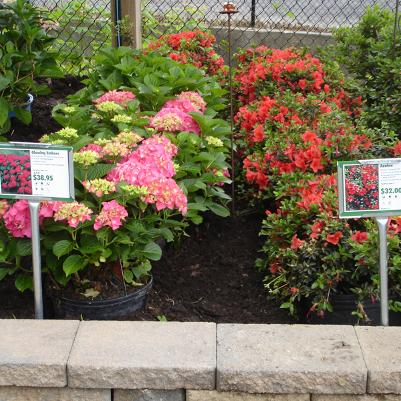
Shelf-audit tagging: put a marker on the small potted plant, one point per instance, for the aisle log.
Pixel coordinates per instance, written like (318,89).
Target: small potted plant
(25,56)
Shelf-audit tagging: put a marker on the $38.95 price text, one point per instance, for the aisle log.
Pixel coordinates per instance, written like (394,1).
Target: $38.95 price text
(42,177)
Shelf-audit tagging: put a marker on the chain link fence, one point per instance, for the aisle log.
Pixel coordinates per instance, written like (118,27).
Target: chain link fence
(81,27)
(278,23)
(84,26)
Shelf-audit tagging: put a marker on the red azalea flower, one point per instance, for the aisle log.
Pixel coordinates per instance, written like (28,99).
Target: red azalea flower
(334,238)
(359,236)
(258,134)
(397,149)
(317,228)
(296,242)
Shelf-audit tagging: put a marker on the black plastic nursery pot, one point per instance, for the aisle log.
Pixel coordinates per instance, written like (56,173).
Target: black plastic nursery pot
(343,306)
(107,309)
(26,106)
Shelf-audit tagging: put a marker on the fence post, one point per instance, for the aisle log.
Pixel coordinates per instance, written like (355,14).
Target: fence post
(126,17)
(253,13)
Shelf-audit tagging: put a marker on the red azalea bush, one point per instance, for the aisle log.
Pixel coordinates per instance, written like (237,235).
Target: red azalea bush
(310,255)
(295,133)
(296,122)
(263,71)
(192,47)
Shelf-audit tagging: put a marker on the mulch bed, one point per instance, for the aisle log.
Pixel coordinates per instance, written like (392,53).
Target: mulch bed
(209,277)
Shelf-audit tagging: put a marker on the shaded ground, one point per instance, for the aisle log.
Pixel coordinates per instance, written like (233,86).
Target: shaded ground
(210,278)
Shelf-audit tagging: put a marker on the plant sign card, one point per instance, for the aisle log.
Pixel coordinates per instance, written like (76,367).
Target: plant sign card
(369,188)
(36,172)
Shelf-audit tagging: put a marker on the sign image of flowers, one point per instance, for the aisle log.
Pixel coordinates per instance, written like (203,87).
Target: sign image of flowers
(15,172)
(370,188)
(362,187)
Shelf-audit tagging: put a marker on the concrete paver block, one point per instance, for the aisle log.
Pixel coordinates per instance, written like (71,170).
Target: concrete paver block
(289,359)
(349,397)
(52,394)
(35,352)
(143,355)
(381,349)
(149,395)
(205,395)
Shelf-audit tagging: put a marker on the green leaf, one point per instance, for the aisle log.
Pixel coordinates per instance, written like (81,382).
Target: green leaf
(3,273)
(74,263)
(23,282)
(62,248)
(142,270)
(128,276)
(23,115)
(4,109)
(219,210)
(24,247)
(90,244)
(99,170)
(152,251)
(197,206)
(167,234)
(4,82)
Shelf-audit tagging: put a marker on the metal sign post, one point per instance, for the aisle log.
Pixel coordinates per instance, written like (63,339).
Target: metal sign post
(372,188)
(45,173)
(36,259)
(382,226)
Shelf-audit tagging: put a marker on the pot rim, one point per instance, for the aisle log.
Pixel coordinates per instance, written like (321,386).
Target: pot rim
(141,290)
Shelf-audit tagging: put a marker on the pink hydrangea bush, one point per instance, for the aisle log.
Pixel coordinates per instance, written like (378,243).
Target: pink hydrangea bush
(116,195)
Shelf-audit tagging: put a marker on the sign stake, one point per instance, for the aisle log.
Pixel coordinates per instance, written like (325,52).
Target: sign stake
(36,267)
(382,225)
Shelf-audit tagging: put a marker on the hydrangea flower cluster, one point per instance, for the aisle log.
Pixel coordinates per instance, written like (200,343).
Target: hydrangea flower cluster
(99,187)
(18,220)
(65,136)
(115,96)
(108,149)
(112,215)
(151,166)
(109,107)
(73,213)
(174,115)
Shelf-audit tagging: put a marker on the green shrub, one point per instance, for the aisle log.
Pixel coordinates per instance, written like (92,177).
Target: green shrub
(24,57)
(369,53)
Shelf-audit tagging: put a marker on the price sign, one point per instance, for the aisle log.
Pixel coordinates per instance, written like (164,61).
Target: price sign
(36,172)
(369,188)
(372,188)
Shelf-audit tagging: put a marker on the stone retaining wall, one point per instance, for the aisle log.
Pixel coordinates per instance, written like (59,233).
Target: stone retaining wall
(172,361)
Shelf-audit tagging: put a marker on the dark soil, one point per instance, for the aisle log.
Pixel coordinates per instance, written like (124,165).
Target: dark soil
(211,277)
(42,121)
